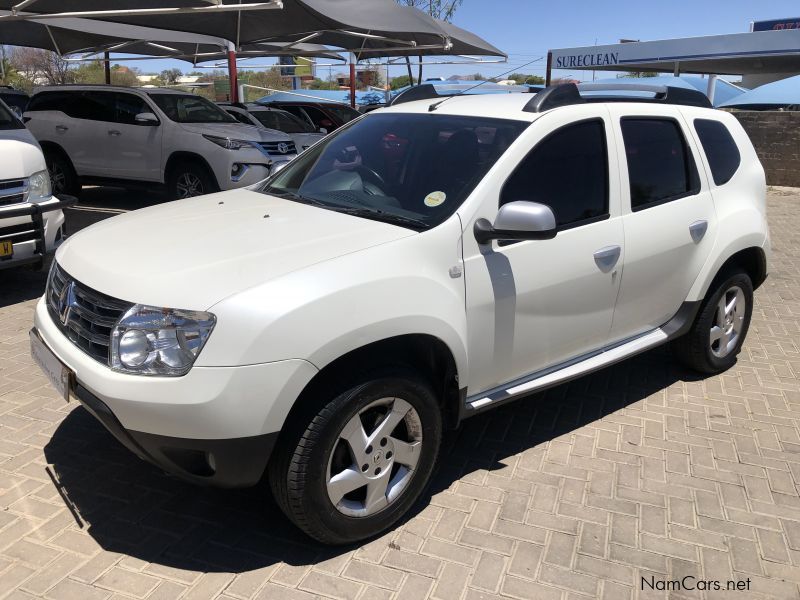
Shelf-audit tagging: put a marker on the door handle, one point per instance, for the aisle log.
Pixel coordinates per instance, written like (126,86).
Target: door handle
(606,258)
(61,128)
(114,132)
(697,230)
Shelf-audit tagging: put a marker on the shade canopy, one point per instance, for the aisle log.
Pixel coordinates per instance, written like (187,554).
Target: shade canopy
(462,43)
(723,90)
(342,23)
(771,96)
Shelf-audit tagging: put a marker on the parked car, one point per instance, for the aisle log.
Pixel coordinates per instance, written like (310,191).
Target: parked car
(325,117)
(327,328)
(302,133)
(15,99)
(31,219)
(130,136)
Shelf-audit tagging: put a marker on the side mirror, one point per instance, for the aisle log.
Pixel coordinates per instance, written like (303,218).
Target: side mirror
(518,221)
(146,118)
(323,130)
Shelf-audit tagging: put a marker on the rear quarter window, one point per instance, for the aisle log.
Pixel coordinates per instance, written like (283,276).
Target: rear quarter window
(720,149)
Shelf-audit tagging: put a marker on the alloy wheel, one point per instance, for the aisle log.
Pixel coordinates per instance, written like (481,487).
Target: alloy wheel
(374,457)
(728,322)
(189,185)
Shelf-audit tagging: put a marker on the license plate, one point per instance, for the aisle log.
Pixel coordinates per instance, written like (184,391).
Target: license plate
(6,249)
(58,374)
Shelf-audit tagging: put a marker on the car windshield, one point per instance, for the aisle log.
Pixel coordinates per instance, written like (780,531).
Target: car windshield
(191,109)
(344,113)
(410,169)
(282,121)
(8,120)
(16,102)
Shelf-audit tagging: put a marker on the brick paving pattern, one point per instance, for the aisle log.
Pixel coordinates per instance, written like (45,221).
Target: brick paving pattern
(642,470)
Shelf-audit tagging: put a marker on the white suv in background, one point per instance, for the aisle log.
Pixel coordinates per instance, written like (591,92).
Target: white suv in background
(426,263)
(126,136)
(31,220)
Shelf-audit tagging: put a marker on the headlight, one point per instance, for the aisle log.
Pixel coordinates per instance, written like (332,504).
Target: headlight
(159,341)
(39,186)
(228,143)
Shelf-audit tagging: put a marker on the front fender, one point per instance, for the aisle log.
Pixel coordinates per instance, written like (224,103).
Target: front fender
(329,309)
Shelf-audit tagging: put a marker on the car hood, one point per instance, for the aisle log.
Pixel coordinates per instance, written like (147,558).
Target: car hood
(21,155)
(193,253)
(306,139)
(236,131)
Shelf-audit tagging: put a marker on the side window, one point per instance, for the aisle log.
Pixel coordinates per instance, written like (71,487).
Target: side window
(319,118)
(49,101)
(720,148)
(568,171)
(239,117)
(128,106)
(91,106)
(660,165)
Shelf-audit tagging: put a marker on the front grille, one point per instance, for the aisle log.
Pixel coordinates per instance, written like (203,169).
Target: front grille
(85,316)
(13,191)
(273,147)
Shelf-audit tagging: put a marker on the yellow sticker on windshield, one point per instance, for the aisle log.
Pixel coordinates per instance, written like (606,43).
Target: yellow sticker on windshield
(435,199)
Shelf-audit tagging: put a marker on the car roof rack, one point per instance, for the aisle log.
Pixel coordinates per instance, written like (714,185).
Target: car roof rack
(566,94)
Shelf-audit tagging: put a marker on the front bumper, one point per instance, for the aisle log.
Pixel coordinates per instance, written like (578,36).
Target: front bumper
(178,423)
(222,463)
(33,230)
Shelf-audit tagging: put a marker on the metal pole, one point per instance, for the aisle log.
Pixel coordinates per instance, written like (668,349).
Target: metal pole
(352,81)
(549,72)
(107,67)
(232,73)
(712,80)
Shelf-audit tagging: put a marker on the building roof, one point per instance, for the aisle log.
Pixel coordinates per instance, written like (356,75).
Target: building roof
(778,94)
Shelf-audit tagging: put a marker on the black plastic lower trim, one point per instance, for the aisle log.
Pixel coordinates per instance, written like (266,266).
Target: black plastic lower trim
(237,462)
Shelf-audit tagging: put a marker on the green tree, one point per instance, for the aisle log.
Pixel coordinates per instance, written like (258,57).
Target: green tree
(171,76)
(523,79)
(438,9)
(642,74)
(400,82)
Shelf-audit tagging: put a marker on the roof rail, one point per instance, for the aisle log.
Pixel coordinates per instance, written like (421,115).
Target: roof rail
(568,93)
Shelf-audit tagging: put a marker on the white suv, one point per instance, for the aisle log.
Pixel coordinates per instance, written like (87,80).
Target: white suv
(127,136)
(303,134)
(31,219)
(419,266)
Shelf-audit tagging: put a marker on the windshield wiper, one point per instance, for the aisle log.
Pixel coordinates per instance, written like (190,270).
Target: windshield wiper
(294,196)
(380,215)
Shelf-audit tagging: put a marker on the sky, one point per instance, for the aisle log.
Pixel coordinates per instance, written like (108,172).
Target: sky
(526,29)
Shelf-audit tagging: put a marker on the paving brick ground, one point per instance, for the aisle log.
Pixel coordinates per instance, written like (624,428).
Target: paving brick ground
(639,471)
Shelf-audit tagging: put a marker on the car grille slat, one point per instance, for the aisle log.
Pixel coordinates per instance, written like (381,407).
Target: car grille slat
(91,315)
(273,147)
(13,191)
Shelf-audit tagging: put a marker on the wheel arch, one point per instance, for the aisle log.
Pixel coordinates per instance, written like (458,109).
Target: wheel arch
(48,146)
(424,353)
(181,156)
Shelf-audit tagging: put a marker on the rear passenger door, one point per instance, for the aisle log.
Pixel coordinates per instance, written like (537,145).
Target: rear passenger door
(669,218)
(134,149)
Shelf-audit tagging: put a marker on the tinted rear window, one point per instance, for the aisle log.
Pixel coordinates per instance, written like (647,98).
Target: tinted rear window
(660,165)
(720,148)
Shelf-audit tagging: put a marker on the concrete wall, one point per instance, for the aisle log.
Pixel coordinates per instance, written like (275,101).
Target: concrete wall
(776,137)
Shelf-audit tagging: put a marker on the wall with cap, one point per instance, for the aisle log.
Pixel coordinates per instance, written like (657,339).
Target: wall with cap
(776,137)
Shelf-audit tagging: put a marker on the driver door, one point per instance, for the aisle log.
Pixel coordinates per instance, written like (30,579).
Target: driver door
(534,305)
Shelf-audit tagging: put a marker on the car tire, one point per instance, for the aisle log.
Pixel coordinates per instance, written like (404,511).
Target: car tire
(187,180)
(339,494)
(719,330)
(63,178)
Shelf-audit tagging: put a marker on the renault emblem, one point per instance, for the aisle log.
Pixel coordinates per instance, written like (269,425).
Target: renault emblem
(283,147)
(66,301)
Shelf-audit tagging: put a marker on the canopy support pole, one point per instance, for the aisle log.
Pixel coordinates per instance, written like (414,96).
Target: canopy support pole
(352,80)
(549,72)
(107,67)
(232,73)
(712,80)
